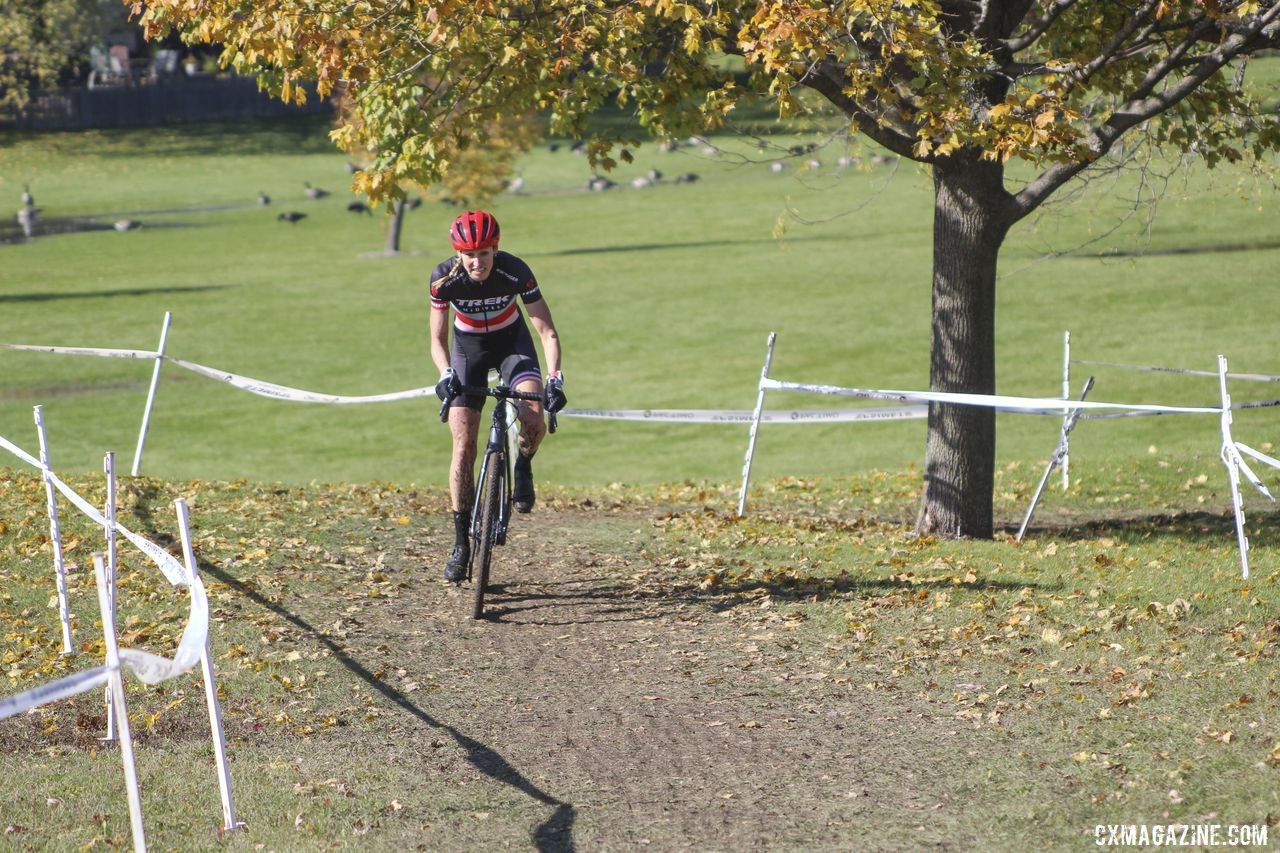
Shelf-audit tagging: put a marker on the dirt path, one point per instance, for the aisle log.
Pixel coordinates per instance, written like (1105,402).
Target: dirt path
(603,706)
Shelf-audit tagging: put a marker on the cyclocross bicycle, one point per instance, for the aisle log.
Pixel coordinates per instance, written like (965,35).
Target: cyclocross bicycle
(491,511)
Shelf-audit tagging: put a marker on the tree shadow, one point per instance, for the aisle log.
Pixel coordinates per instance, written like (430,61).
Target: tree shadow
(555,834)
(727,594)
(1210,248)
(1263,527)
(619,602)
(103,294)
(693,244)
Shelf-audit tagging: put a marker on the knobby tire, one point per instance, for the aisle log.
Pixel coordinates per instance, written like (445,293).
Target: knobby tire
(482,548)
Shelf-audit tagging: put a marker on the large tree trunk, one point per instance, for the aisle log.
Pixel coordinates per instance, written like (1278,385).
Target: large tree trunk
(972,214)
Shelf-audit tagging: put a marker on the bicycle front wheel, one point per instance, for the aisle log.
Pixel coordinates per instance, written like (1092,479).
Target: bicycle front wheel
(487,528)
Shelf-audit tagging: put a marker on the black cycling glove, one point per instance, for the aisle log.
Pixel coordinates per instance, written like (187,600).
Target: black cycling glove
(448,387)
(555,393)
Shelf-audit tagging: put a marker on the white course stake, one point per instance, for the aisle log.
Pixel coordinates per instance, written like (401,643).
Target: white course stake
(122,711)
(151,396)
(210,683)
(755,425)
(1066,394)
(109,512)
(55,535)
(1232,460)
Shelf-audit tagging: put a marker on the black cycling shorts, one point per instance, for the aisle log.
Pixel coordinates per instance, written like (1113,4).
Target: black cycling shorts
(509,351)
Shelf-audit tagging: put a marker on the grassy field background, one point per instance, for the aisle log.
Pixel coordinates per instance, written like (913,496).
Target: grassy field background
(664,298)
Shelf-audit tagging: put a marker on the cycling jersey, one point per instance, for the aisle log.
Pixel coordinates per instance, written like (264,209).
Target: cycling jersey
(480,307)
(489,333)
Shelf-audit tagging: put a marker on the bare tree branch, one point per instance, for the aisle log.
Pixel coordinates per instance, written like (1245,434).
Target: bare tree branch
(826,77)
(1040,26)
(1110,51)
(1144,104)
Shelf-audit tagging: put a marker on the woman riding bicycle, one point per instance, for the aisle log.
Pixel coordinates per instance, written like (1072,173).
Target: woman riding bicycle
(481,284)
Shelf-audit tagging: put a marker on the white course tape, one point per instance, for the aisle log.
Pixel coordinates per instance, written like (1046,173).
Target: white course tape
(1184,371)
(93,351)
(1030,405)
(149,668)
(63,688)
(283,392)
(716,416)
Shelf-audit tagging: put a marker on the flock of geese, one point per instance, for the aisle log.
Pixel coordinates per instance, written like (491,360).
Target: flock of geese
(29,215)
(316,194)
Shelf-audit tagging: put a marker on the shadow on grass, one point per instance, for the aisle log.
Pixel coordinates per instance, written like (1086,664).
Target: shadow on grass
(1211,248)
(553,834)
(635,604)
(102,294)
(696,244)
(727,594)
(1263,528)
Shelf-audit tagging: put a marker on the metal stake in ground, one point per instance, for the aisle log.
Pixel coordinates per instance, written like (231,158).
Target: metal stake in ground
(1058,457)
(755,424)
(151,396)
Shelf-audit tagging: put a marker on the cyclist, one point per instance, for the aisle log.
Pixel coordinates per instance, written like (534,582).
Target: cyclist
(481,284)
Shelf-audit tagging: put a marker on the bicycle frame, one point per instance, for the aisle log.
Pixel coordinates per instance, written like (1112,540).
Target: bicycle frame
(496,450)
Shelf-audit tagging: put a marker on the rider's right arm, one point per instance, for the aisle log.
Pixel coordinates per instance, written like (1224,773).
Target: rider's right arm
(440,337)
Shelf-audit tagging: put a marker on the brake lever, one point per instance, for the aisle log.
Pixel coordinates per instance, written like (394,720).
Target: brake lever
(444,411)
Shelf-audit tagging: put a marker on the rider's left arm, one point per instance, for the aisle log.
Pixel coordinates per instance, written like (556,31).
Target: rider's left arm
(540,317)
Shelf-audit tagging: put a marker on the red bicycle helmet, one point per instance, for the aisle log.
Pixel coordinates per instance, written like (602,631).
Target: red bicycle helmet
(473,231)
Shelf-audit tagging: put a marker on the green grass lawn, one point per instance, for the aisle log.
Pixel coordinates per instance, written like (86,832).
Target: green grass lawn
(664,298)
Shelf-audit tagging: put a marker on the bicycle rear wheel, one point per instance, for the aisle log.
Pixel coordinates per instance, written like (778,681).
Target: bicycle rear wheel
(487,528)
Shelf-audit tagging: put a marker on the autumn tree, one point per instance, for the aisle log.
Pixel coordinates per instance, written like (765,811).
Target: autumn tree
(962,86)
(40,40)
(480,171)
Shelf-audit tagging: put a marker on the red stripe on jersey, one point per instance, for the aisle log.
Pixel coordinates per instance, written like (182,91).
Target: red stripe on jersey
(505,317)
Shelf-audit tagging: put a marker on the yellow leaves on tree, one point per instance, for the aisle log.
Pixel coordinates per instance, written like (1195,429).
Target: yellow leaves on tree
(926,81)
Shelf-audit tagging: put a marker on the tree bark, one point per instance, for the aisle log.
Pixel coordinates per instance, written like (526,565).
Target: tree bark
(972,215)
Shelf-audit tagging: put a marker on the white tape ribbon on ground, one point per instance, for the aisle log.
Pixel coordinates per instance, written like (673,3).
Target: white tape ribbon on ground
(149,668)
(716,416)
(1028,405)
(283,392)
